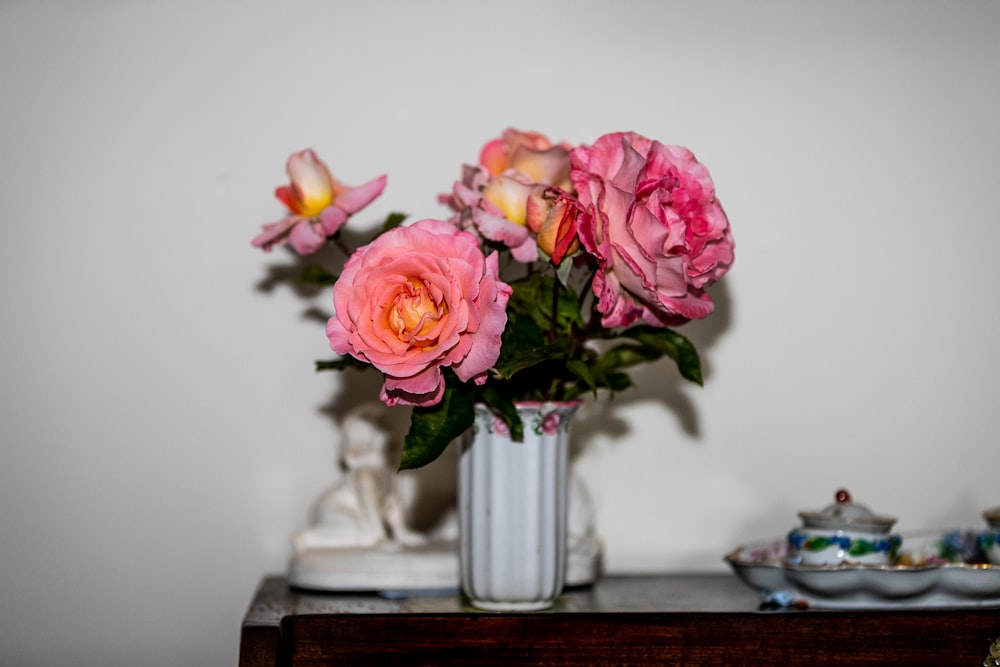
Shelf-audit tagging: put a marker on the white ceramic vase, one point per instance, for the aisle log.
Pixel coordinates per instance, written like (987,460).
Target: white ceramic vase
(512,509)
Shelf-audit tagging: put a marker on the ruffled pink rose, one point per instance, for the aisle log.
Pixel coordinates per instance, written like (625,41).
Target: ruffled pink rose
(418,299)
(655,227)
(318,205)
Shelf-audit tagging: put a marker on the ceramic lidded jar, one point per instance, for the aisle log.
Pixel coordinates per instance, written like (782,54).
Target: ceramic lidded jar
(843,533)
(989,539)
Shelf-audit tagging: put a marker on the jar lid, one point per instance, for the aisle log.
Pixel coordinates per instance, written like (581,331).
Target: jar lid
(847,515)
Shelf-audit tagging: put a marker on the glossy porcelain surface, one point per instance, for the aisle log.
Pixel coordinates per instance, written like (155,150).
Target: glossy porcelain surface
(512,509)
(843,532)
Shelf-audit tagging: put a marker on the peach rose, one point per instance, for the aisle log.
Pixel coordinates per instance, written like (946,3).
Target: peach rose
(418,299)
(655,227)
(495,208)
(491,200)
(529,153)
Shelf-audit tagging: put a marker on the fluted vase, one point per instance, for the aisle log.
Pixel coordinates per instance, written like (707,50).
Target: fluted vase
(512,508)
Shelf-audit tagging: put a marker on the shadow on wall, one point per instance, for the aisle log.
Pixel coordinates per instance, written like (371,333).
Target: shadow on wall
(660,382)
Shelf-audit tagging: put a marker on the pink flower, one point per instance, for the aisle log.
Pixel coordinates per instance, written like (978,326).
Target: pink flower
(529,153)
(492,198)
(319,205)
(418,299)
(655,227)
(495,209)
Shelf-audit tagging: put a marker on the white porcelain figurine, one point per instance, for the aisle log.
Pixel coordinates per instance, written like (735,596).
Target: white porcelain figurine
(363,509)
(357,538)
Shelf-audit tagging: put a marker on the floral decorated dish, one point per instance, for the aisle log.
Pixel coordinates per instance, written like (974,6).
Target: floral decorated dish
(933,569)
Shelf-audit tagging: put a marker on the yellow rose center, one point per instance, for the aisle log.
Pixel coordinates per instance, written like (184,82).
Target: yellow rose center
(312,201)
(510,197)
(414,315)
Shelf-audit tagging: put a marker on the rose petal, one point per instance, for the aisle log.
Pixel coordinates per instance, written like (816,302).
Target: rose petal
(352,200)
(274,233)
(306,237)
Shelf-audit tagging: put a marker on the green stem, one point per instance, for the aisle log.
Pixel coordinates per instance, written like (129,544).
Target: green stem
(555,309)
(339,242)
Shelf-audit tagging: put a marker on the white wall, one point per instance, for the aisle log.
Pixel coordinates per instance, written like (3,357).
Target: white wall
(162,430)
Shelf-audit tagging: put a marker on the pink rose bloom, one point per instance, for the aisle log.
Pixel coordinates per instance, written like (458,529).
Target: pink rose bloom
(491,200)
(318,205)
(418,299)
(529,153)
(495,209)
(653,223)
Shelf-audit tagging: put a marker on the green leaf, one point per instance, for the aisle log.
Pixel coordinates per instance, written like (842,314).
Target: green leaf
(391,221)
(618,381)
(502,405)
(317,275)
(628,355)
(523,346)
(582,371)
(341,364)
(534,296)
(521,356)
(434,428)
(563,271)
(672,344)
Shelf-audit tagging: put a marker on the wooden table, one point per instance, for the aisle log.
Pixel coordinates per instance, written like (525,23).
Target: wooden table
(703,619)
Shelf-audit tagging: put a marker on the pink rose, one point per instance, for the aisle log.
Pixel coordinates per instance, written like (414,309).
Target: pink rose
(319,205)
(418,299)
(529,153)
(491,200)
(495,209)
(655,227)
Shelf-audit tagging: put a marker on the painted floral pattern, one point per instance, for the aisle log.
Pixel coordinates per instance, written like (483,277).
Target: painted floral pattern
(543,420)
(852,546)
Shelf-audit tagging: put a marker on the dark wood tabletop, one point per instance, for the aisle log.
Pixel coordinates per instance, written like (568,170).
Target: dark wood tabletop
(678,619)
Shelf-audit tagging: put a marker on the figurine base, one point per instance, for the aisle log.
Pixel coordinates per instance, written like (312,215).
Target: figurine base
(386,567)
(392,569)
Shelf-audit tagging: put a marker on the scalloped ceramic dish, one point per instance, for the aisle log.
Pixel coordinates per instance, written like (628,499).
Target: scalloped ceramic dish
(940,569)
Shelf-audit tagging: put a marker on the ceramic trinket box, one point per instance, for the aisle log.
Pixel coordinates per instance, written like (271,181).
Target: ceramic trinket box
(989,539)
(843,533)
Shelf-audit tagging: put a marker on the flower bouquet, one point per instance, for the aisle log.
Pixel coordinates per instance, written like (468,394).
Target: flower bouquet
(556,270)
